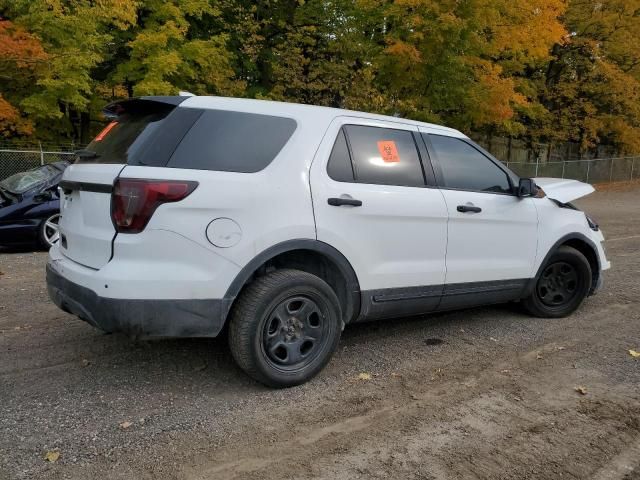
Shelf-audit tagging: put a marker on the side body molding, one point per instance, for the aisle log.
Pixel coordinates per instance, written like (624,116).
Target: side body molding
(389,303)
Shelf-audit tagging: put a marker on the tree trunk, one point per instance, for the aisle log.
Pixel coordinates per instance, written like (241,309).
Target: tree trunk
(85,132)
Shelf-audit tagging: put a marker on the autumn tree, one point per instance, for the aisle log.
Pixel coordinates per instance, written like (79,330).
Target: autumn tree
(76,37)
(177,45)
(326,56)
(467,63)
(21,58)
(540,70)
(592,86)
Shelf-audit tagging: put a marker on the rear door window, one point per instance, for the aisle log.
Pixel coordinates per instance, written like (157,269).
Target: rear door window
(384,156)
(233,142)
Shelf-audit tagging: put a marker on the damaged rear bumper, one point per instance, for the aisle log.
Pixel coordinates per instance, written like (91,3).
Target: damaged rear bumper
(139,318)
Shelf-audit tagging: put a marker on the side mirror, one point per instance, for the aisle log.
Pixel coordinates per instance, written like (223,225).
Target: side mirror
(527,188)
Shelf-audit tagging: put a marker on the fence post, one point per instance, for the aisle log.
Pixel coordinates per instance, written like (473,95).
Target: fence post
(633,161)
(588,167)
(41,154)
(611,171)
(563,165)
(537,161)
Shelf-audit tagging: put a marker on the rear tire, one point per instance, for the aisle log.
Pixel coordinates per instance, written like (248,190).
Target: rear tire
(563,284)
(48,233)
(284,327)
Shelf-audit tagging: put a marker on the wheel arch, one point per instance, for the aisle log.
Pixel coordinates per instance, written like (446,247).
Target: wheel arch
(312,256)
(584,245)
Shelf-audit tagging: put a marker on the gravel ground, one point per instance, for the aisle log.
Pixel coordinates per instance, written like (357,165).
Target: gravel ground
(483,393)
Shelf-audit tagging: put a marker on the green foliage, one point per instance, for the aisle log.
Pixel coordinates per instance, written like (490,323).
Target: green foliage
(164,56)
(593,84)
(542,70)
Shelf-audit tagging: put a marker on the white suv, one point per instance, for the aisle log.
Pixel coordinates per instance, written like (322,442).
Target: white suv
(286,222)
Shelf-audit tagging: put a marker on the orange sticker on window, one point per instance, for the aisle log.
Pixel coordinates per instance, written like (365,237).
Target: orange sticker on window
(105,131)
(389,151)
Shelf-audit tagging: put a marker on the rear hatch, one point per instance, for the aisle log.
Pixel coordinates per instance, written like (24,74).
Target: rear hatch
(142,131)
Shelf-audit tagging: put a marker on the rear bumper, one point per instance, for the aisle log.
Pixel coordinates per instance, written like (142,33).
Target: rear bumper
(139,318)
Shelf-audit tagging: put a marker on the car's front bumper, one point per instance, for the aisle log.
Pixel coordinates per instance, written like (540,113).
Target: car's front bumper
(604,264)
(139,318)
(19,232)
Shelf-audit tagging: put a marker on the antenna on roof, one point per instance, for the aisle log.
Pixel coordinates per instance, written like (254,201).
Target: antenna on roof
(185,94)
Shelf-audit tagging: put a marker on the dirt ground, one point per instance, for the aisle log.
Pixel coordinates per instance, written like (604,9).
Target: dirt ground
(485,393)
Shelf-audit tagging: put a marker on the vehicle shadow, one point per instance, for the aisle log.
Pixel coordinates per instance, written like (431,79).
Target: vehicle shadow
(206,365)
(9,250)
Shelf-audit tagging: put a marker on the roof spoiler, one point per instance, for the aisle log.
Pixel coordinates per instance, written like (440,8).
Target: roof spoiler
(142,104)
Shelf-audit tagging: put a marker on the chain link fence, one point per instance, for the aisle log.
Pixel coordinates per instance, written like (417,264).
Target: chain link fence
(14,161)
(18,157)
(597,170)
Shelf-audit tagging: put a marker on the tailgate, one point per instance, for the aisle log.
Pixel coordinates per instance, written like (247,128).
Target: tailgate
(86,228)
(142,131)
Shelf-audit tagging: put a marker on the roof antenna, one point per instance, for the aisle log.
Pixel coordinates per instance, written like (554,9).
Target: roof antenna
(185,94)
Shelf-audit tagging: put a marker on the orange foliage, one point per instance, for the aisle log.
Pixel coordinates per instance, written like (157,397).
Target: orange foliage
(526,28)
(11,123)
(404,51)
(492,96)
(19,52)
(19,46)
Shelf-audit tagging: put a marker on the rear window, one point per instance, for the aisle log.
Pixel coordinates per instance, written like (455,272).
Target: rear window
(121,139)
(141,132)
(232,142)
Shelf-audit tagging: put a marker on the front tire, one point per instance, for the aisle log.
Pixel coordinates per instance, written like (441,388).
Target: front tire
(563,284)
(284,327)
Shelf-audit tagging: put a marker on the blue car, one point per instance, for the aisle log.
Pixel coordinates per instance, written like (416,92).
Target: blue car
(30,207)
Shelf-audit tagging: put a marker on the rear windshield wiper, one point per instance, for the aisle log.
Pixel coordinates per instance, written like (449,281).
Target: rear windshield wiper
(87,154)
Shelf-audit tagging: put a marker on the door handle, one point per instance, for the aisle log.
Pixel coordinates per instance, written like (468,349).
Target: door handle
(468,208)
(337,202)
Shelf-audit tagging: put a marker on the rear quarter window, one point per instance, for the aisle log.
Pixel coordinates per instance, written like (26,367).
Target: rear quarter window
(232,142)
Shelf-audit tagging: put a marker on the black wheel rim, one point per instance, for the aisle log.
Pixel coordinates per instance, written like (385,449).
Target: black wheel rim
(558,284)
(294,332)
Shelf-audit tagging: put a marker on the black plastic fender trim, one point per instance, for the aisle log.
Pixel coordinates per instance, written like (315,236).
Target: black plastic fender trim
(570,236)
(353,286)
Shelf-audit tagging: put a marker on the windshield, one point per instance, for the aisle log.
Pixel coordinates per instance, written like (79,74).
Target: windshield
(23,181)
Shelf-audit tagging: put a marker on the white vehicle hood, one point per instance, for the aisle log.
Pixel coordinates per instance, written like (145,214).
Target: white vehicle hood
(564,190)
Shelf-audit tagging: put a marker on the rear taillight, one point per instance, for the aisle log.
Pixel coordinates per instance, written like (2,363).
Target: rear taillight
(134,201)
